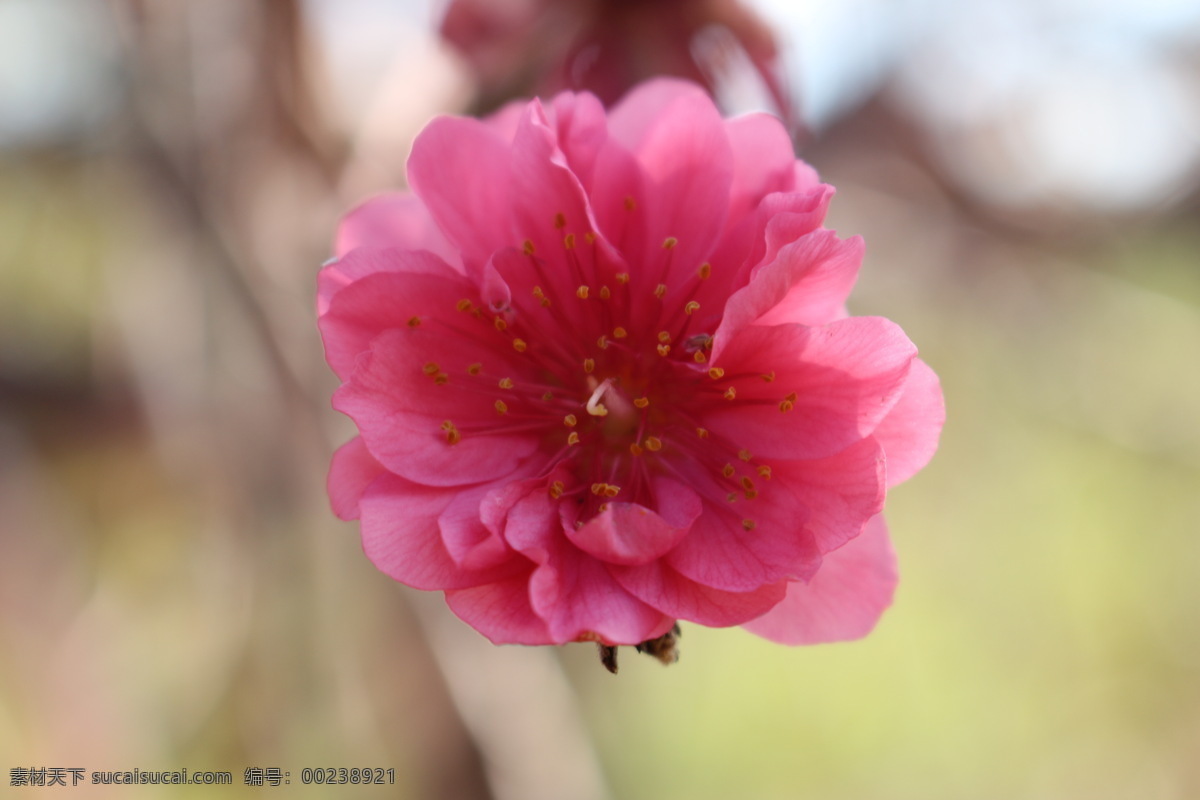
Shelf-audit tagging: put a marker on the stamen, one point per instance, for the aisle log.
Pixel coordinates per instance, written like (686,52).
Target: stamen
(441,379)
(557,489)
(764,472)
(744,455)
(589,365)
(653,444)
(560,221)
(622,278)
(619,332)
(716,373)
(730,393)
(582,292)
(663,349)
(594,406)
(769,376)
(605,293)
(702,433)
(747,484)
(660,290)
(635,449)
(500,323)
(431,368)
(705,271)
(572,438)
(569,241)
(501,406)
(528,247)
(641,402)
(602,342)
(464,305)
(699,357)
(748,524)
(506,383)
(475,369)
(664,337)
(691,308)
(414,322)
(788,403)
(519,345)
(589,237)
(570,421)
(728,470)
(732,497)
(452,434)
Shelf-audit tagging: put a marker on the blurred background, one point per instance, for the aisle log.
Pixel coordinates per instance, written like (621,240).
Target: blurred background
(174,591)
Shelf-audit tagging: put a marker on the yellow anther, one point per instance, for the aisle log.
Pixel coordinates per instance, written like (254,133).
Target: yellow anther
(622,277)
(545,302)
(605,293)
(528,247)
(764,472)
(699,357)
(441,379)
(538,293)
(602,342)
(506,383)
(431,368)
(748,524)
(582,292)
(612,490)
(635,449)
(660,290)
(750,494)
(519,345)
(702,433)
(502,406)
(547,396)
(716,373)
(464,305)
(569,241)
(589,365)
(747,484)
(732,497)
(414,322)
(452,435)
(630,205)
(728,470)
(597,409)
(768,376)
(641,402)
(669,243)
(664,337)
(557,489)
(653,444)
(589,237)
(570,421)
(692,307)
(705,271)
(730,393)
(744,454)
(597,488)
(788,403)
(560,221)
(663,349)
(500,323)
(573,438)
(475,369)
(619,332)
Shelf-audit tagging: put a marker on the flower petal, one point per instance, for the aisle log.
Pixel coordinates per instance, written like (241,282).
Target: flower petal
(501,611)
(628,533)
(434,433)
(843,601)
(468,197)
(807,282)
(831,386)
(390,288)
(394,219)
(676,596)
(909,433)
(763,162)
(351,471)
(401,536)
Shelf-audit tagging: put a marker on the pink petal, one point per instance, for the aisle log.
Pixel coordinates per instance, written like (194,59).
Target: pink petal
(468,196)
(395,219)
(720,552)
(843,601)
(582,130)
(679,140)
(401,536)
(659,586)
(577,597)
(501,611)
(398,286)
(909,433)
(840,379)
(351,471)
(467,540)
(840,493)
(807,282)
(628,533)
(401,411)
(763,162)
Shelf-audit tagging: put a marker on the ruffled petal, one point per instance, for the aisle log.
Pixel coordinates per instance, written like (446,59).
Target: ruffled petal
(401,536)
(657,585)
(394,219)
(501,611)
(628,533)
(391,288)
(909,433)
(459,168)
(763,162)
(351,471)
(830,386)
(423,429)
(843,601)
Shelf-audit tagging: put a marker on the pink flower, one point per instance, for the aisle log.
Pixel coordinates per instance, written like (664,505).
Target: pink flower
(604,379)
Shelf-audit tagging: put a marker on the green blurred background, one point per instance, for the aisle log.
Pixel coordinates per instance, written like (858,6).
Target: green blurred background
(174,591)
